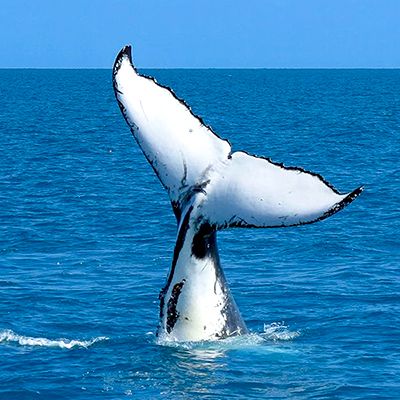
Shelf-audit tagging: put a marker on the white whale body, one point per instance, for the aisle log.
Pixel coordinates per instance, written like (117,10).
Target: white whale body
(210,188)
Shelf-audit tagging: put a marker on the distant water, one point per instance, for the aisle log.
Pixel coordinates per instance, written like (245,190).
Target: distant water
(87,233)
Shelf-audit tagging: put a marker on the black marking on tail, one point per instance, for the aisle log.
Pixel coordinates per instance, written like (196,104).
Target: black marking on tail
(172,313)
(203,241)
(178,247)
(176,208)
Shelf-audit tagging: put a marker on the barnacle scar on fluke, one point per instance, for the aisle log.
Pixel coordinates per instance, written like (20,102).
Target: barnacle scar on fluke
(210,188)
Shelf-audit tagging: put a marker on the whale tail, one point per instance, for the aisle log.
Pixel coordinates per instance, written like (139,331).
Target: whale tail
(232,189)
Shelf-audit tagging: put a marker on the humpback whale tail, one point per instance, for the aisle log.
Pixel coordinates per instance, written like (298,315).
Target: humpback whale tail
(210,188)
(188,157)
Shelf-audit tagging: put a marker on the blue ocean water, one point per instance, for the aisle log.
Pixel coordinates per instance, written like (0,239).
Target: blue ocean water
(87,234)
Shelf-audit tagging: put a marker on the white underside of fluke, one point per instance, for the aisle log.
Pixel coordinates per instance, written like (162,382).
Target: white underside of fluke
(222,189)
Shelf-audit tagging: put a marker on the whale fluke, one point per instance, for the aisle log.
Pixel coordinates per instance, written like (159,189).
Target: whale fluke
(178,145)
(243,190)
(210,188)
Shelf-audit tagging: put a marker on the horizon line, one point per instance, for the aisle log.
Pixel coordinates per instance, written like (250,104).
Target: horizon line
(204,68)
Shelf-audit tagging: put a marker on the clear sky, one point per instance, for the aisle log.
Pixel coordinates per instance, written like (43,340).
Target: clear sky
(201,33)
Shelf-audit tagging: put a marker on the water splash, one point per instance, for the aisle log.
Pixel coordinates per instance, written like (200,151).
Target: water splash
(274,332)
(8,336)
(278,331)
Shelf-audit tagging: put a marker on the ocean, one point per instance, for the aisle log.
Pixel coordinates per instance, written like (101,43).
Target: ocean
(87,235)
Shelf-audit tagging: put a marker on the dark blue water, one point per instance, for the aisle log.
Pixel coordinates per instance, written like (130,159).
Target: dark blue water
(87,233)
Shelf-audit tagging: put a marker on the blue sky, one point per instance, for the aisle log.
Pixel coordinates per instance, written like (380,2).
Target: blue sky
(201,33)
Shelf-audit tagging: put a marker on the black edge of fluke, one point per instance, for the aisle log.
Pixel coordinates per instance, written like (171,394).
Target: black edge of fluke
(125,52)
(293,168)
(338,206)
(128,51)
(342,204)
(333,210)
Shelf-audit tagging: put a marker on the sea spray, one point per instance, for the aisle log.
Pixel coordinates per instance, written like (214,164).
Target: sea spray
(8,336)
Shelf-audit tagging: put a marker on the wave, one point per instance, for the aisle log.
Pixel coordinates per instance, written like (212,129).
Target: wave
(8,336)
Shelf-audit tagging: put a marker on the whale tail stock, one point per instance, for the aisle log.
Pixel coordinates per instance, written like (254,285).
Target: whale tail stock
(198,168)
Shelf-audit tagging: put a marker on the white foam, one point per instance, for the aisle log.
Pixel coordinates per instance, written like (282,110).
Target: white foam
(274,332)
(278,331)
(8,336)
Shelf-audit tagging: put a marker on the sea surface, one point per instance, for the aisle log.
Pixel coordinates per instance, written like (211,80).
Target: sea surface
(87,235)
